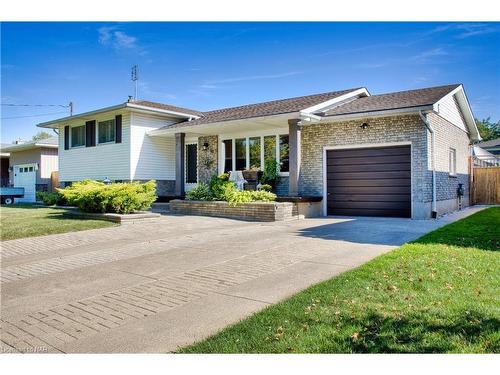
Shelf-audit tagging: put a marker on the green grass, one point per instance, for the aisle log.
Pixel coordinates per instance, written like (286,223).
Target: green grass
(19,221)
(438,294)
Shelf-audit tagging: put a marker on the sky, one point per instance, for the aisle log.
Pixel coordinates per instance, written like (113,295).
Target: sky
(214,65)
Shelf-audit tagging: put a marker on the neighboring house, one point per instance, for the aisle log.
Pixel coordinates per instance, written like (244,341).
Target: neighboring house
(492,146)
(398,154)
(4,165)
(31,165)
(483,158)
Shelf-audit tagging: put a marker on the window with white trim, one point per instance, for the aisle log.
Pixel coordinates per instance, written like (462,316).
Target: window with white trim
(106,131)
(252,152)
(453,162)
(78,136)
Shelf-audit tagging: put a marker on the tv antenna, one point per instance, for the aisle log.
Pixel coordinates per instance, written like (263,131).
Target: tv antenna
(135,78)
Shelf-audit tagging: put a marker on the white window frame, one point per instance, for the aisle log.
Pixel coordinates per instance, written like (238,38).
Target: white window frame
(232,138)
(97,132)
(72,128)
(452,162)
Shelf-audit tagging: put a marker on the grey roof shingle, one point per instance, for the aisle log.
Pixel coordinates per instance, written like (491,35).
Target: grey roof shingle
(393,100)
(167,107)
(274,107)
(491,143)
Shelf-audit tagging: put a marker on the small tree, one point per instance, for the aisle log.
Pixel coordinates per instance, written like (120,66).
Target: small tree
(40,135)
(487,129)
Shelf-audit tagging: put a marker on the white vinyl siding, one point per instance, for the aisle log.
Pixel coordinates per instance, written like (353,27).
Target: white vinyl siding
(449,110)
(48,162)
(151,157)
(110,160)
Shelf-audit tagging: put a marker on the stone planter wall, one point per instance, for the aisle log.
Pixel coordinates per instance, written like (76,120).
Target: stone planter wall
(255,211)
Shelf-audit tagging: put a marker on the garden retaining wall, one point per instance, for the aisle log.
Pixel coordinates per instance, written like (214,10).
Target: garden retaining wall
(254,211)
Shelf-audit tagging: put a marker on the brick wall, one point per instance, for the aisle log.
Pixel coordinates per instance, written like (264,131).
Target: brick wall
(255,211)
(449,136)
(207,159)
(409,128)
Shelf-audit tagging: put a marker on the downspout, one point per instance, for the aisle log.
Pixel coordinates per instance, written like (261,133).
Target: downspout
(433,165)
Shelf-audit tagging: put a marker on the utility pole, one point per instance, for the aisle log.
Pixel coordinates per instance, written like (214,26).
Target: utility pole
(70,108)
(135,78)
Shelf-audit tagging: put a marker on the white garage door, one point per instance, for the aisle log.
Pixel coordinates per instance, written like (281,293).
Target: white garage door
(25,177)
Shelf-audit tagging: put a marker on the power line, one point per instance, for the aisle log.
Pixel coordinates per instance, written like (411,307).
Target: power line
(42,114)
(35,105)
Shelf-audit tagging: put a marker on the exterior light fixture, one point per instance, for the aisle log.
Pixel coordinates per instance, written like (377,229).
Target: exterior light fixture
(107,181)
(205,146)
(364,125)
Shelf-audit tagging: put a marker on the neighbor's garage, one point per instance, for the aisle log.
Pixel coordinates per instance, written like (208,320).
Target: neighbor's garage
(369,181)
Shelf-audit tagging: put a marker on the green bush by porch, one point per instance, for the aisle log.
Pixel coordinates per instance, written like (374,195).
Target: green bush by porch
(221,189)
(120,198)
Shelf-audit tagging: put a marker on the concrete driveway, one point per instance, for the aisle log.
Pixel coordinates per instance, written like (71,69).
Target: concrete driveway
(163,283)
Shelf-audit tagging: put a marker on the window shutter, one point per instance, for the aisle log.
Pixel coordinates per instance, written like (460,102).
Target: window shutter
(118,129)
(90,133)
(66,137)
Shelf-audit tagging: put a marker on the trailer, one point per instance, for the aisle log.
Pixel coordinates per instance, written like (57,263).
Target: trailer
(7,194)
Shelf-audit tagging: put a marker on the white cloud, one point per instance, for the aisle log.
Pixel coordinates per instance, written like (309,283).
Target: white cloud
(253,78)
(465,30)
(119,40)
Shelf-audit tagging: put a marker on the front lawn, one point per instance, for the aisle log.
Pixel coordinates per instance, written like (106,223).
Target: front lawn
(24,220)
(438,294)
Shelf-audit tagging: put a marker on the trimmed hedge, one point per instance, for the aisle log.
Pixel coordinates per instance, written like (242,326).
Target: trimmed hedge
(121,198)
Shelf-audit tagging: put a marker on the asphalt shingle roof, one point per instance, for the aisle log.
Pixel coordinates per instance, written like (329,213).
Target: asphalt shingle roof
(274,107)
(490,143)
(393,100)
(167,107)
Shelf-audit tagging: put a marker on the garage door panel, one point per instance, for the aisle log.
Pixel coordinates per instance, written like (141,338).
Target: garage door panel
(368,198)
(369,160)
(368,175)
(373,212)
(369,152)
(368,167)
(369,182)
(368,205)
(370,190)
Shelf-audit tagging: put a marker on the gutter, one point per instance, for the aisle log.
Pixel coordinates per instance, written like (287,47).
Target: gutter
(433,165)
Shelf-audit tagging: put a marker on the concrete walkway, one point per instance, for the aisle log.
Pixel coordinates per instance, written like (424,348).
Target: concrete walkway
(163,283)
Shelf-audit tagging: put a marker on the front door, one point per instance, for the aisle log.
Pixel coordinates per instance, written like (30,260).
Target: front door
(25,177)
(191,166)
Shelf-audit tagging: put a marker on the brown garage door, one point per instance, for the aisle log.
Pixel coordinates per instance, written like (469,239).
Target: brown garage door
(369,181)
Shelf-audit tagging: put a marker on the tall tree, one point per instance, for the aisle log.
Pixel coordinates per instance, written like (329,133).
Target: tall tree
(40,135)
(487,129)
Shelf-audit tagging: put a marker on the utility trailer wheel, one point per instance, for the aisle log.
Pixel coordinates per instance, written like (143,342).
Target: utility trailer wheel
(9,200)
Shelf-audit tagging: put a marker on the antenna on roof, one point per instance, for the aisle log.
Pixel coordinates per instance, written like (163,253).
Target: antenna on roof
(135,78)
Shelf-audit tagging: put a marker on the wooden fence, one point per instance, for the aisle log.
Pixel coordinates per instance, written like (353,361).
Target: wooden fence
(54,180)
(485,185)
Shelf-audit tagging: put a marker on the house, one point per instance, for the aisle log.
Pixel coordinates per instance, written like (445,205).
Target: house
(31,165)
(397,154)
(492,146)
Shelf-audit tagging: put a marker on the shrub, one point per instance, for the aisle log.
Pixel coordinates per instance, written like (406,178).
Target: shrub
(266,187)
(271,173)
(200,192)
(220,186)
(50,199)
(122,198)
(244,196)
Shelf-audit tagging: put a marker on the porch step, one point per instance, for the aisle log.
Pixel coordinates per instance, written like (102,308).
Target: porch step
(160,207)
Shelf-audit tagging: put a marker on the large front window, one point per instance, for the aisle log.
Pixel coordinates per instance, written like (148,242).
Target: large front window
(106,131)
(252,152)
(78,136)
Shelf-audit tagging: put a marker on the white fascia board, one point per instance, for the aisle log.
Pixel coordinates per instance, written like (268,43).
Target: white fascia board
(202,127)
(54,124)
(361,115)
(27,146)
(362,91)
(162,111)
(463,102)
